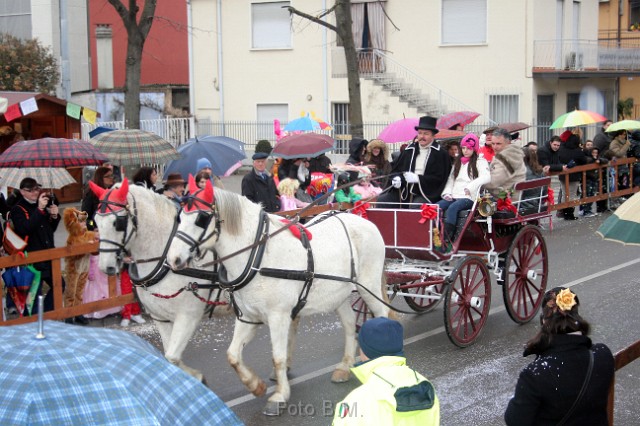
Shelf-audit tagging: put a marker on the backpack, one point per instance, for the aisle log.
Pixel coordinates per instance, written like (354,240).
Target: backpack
(11,241)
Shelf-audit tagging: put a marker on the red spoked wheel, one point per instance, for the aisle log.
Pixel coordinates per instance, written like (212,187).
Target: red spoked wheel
(467,301)
(426,295)
(526,273)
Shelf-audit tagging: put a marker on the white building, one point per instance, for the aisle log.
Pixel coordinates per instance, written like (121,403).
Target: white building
(511,60)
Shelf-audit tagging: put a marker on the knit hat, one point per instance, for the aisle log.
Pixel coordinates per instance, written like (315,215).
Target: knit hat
(203,163)
(381,337)
(470,141)
(565,135)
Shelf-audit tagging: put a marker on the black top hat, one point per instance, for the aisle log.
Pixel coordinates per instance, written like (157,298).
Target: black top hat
(427,123)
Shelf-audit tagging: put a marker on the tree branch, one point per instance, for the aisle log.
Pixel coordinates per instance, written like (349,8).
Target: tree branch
(146,19)
(119,7)
(294,11)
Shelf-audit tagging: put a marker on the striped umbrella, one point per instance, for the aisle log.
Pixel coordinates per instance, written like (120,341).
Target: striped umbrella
(623,226)
(577,118)
(133,146)
(48,177)
(52,152)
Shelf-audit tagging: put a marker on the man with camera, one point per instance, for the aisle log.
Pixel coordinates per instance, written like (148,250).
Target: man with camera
(35,218)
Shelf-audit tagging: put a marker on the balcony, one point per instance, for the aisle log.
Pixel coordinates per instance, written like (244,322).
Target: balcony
(586,58)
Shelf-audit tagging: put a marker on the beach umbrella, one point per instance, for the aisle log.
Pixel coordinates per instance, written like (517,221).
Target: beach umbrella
(623,225)
(134,146)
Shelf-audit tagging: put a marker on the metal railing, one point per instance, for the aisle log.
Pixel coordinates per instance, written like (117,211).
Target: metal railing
(592,55)
(174,130)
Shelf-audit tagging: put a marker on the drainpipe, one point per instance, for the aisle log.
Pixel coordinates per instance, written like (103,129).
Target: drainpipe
(192,107)
(220,67)
(64,50)
(325,74)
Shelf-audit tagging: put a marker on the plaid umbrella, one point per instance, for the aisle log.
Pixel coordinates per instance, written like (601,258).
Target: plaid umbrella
(51,177)
(302,145)
(133,146)
(82,376)
(52,152)
(459,117)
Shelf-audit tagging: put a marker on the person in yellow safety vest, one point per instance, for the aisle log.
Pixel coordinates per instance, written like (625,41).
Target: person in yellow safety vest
(391,393)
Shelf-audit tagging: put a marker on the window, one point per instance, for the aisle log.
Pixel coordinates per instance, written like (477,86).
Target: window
(340,121)
(270,26)
(503,108)
(573,101)
(634,12)
(464,21)
(266,113)
(15,18)
(545,117)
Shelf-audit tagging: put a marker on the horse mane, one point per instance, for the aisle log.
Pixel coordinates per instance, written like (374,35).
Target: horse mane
(231,208)
(158,204)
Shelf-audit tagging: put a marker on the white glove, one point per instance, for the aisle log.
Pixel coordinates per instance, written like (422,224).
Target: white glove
(396,182)
(411,177)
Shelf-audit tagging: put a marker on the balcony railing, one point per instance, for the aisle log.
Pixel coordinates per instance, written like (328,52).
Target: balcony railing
(587,55)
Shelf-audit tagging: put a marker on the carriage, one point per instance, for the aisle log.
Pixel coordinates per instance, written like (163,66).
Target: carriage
(422,271)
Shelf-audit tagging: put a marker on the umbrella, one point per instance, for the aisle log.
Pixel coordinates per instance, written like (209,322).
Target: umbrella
(302,145)
(577,118)
(133,146)
(95,132)
(302,124)
(514,127)
(624,125)
(623,225)
(459,117)
(52,152)
(400,131)
(77,375)
(223,152)
(449,134)
(52,177)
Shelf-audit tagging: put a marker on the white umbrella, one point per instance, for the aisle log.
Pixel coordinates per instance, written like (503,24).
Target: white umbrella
(52,178)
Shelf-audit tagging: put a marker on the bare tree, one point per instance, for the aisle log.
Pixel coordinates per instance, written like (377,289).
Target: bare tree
(342,10)
(137,32)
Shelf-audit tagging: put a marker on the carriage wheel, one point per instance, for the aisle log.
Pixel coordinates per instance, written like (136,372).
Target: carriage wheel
(422,288)
(361,309)
(526,273)
(467,301)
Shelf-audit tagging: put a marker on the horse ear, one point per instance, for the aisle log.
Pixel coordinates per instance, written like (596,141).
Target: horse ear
(193,186)
(120,194)
(97,190)
(208,192)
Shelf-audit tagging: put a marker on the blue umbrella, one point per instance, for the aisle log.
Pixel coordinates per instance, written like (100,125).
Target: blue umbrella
(302,124)
(80,376)
(221,151)
(95,132)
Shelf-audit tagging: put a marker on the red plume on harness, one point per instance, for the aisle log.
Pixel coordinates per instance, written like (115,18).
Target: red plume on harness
(97,190)
(115,197)
(120,194)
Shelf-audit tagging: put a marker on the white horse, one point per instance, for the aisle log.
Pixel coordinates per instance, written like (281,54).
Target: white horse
(345,249)
(136,222)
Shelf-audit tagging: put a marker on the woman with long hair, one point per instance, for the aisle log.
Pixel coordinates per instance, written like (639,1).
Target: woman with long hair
(568,382)
(147,177)
(468,174)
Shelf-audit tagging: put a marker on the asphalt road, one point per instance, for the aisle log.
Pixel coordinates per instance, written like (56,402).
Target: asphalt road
(473,384)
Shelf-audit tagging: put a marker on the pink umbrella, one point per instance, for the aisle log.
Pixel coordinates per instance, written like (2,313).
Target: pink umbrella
(400,131)
(459,117)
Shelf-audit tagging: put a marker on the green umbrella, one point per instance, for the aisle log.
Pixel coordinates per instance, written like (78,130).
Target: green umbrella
(624,125)
(623,226)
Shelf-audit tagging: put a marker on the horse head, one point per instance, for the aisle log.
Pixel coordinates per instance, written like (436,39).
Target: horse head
(198,218)
(112,218)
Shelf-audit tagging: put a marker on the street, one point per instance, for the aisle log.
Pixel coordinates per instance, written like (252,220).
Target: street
(473,384)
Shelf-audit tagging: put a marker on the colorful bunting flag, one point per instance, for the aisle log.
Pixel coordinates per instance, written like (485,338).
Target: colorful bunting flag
(73,110)
(13,112)
(28,106)
(89,115)
(4,102)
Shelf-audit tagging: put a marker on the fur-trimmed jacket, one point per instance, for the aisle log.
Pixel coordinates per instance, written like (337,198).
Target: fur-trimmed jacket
(507,169)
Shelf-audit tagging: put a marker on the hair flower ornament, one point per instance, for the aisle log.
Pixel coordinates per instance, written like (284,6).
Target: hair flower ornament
(565,300)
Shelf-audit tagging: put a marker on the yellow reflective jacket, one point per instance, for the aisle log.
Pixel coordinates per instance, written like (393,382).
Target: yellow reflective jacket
(391,394)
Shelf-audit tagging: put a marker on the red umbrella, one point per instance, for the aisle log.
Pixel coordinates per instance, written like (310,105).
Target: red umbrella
(449,134)
(52,152)
(459,117)
(302,145)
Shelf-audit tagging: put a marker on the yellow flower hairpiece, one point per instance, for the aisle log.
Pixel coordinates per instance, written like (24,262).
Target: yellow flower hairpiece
(565,300)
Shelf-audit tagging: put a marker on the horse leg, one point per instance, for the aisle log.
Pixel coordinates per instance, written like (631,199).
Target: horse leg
(293,330)
(280,328)
(347,318)
(243,333)
(182,330)
(378,308)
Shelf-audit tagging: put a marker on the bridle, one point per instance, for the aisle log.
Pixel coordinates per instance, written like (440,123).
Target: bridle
(121,224)
(203,220)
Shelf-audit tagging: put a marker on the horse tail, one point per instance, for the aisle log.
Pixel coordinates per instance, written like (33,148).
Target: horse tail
(391,314)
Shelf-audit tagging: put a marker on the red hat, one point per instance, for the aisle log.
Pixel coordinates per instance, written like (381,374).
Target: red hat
(565,135)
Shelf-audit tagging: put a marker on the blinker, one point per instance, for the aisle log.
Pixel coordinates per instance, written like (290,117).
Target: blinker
(121,223)
(203,219)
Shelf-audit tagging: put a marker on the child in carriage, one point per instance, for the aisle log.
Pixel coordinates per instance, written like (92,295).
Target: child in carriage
(346,195)
(468,174)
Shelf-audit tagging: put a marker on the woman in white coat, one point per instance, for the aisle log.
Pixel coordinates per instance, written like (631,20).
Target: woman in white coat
(468,174)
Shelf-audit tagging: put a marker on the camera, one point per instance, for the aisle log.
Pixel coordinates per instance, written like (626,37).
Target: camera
(49,195)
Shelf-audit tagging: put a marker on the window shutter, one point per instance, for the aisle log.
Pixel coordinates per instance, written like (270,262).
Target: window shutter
(464,21)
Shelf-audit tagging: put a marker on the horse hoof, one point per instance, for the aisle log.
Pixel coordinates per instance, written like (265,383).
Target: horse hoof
(340,376)
(273,377)
(273,408)
(260,389)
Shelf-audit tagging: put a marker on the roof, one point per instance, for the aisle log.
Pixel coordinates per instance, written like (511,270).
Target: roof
(17,97)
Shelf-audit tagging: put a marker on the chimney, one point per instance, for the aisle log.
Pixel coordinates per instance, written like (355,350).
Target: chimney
(104,54)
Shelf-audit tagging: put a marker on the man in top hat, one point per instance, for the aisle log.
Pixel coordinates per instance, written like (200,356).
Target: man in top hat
(421,172)
(174,188)
(35,218)
(391,392)
(258,185)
